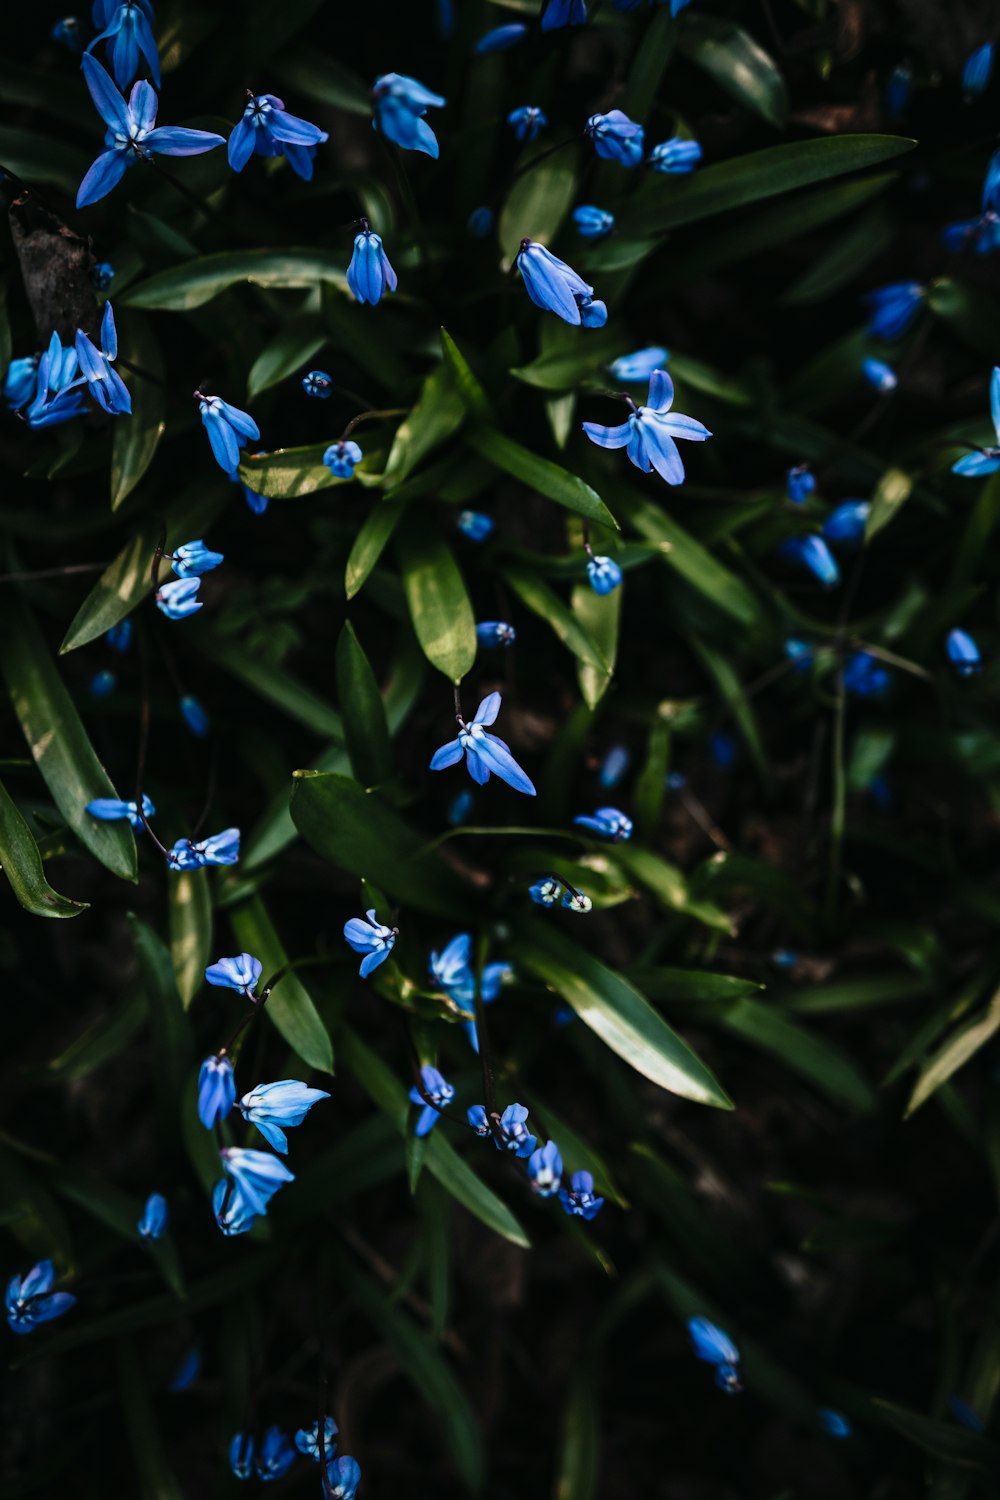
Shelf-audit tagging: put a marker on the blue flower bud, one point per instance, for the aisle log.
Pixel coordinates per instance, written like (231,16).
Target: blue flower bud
(800,654)
(341,459)
(275,1455)
(593,314)
(276,1107)
(834,1423)
(119,637)
(102,275)
(676,156)
(864,676)
(578,1200)
(370,938)
(480,222)
(608,823)
(963,653)
(219,849)
(194,716)
(233,1215)
(614,766)
(723,750)
(154,1217)
(68,33)
(111,809)
(545,1168)
(898,88)
(474,525)
(978,71)
(617,138)
(370,275)
(527,121)
(400,104)
(344,1476)
(801,484)
(984,460)
(187,1371)
(893,308)
(318,383)
(500,38)
(847,522)
(178,599)
(576,901)
(241,1456)
(30,1300)
(103,684)
(638,367)
(19,382)
(493,633)
(191,559)
(545,892)
(551,284)
(256,1175)
(813,554)
(604,574)
(459,808)
(716,1348)
(128,33)
(216,1090)
(676,781)
(784,958)
(593,223)
(228,428)
(879,374)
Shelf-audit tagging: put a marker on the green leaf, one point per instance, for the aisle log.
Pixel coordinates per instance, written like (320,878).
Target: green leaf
(568,365)
(691,985)
(98,1044)
(620,1016)
(121,1213)
(738,65)
(670,886)
(732,690)
(436,594)
(323,79)
(40,161)
(970,311)
(538,201)
(136,438)
(57,739)
(580,1450)
(172,1043)
(868,237)
(362,836)
(466,382)
(438,413)
(365,727)
(540,474)
(195,282)
(127,580)
(944,1440)
(954,1054)
(190,930)
(289,473)
(31,1214)
(370,542)
(291,1008)
(892,491)
(296,343)
(814,1058)
(22,865)
(651,782)
(549,607)
(600,616)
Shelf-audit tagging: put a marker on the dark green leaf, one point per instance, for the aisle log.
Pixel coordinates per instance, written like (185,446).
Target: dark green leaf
(22,865)
(190,930)
(538,201)
(549,607)
(540,474)
(365,727)
(274,684)
(296,343)
(370,542)
(738,65)
(290,1008)
(437,414)
(814,1058)
(156,1480)
(436,594)
(181,288)
(670,886)
(137,437)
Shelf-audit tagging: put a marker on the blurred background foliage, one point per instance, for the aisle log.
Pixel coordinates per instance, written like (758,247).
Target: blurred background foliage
(840,1220)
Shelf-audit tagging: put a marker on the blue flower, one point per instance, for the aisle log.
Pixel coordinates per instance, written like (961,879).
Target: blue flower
(20,380)
(228,429)
(103,684)
(194,716)
(545,1168)
(30,1300)
(723,750)
(879,374)
(318,383)
(216,1090)
(257,1175)
(450,968)
(480,222)
(812,553)
(127,30)
(341,459)
(102,275)
(499,39)
(233,1214)
(898,88)
(579,1200)
(800,484)
(275,1455)
(978,71)
(675,156)
(617,138)
(132,133)
(984,460)
(459,808)
(119,637)
(604,574)
(527,121)
(111,809)
(276,1107)
(638,367)
(614,766)
(187,1371)
(716,1348)
(545,892)
(608,823)
(240,973)
(593,314)
(219,849)
(178,598)
(576,901)
(564,13)
(864,676)
(344,1476)
(676,781)
(257,503)
(649,434)
(834,1423)
(515,1133)
(370,275)
(551,284)
(893,308)
(493,633)
(592,222)
(266,128)
(371,939)
(191,559)
(963,653)
(400,104)
(981,235)
(58,397)
(154,1217)
(241,1453)
(438,1089)
(484,753)
(307,1439)
(474,525)
(67,33)
(847,522)
(800,654)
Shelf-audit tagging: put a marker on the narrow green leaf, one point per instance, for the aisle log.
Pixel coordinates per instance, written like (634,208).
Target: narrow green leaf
(670,886)
(954,1054)
(580,1449)
(438,413)
(539,199)
(22,865)
(136,438)
(569,364)
(190,930)
(547,605)
(970,311)
(691,985)
(650,784)
(891,493)
(274,684)
(540,474)
(944,1440)
(172,1048)
(738,64)
(365,727)
(289,473)
(291,1008)
(370,542)
(813,1057)
(98,1044)
(324,80)
(600,616)
(466,382)
(840,264)
(183,287)
(436,594)
(732,690)
(295,344)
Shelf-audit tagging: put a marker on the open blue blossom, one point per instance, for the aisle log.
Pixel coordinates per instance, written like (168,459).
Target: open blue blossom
(233,1213)
(864,675)
(112,809)
(154,1217)
(484,753)
(650,432)
(981,235)
(515,1133)
(480,221)
(500,38)
(545,1168)
(636,369)
(276,1107)
(241,1450)
(474,525)
(127,28)
(978,71)
(579,1199)
(275,1455)
(267,129)
(132,134)
(216,1090)
(370,275)
(218,849)
(564,13)
(344,1476)
(20,380)
(493,633)
(307,1439)
(228,430)
(30,1300)
(608,823)
(879,375)
(103,684)
(545,892)
(191,559)
(812,553)
(846,522)
(318,383)
(604,574)
(984,460)
(963,653)
(592,222)
(893,308)
(240,973)
(436,1088)
(593,313)
(551,284)
(187,1371)
(257,1174)
(800,654)
(119,637)
(527,121)
(370,938)
(342,458)
(716,1348)
(801,483)
(834,1423)
(676,156)
(452,970)
(58,395)
(194,716)
(178,598)
(617,138)
(400,104)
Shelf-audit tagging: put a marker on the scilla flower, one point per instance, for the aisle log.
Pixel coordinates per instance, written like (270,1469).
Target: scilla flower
(493,633)
(834,1423)
(178,598)
(614,766)
(893,308)
(480,221)
(898,89)
(650,432)
(675,156)
(579,1200)
(19,382)
(616,137)
(545,892)
(219,849)
(371,939)
(716,1348)
(604,574)
(103,684)
(864,675)
(545,1169)
(343,1477)
(154,1217)
(58,397)
(233,1215)
(216,1090)
(636,368)
(500,38)
(515,1133)
(576,901)
(240,973)
(812,553)
(474,525)
(342,458)
(977,71)
(228,430)
(119,637)
(318,383)
(551,284)
(194,716)
(257,1174)
(111,809)
(30,1300)
(847,521)
(191,559)
(276,1107)
(963,653)
(267,129)
(984,460)
(879,375)
(370,275)
(187,1371)
(439,1090)
(800,654)
(307,1439)
(132,134)
(459,808)
(102,275)
(527,121)
(275,1455)
(564,13)
(241,1450)
(127,28)
(400,104)
(484,753)
(800,483)
(608,823)
(593,223)
(67,33)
